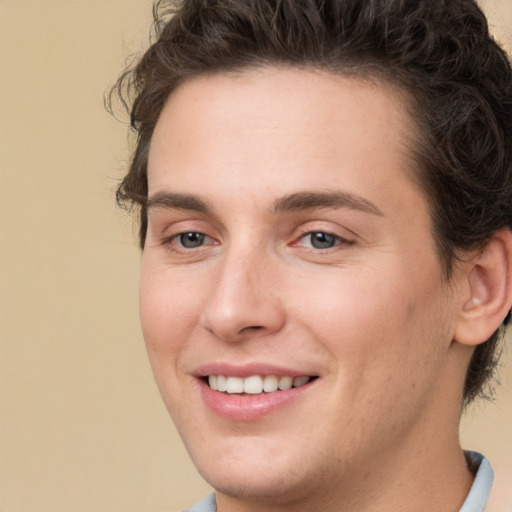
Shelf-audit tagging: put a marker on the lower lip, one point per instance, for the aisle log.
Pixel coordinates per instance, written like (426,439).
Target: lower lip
(250,407)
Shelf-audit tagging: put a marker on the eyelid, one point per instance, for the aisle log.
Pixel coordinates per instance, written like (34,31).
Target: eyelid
(339,240)
(167,240)
(348,237)
(167,235)
(167,226)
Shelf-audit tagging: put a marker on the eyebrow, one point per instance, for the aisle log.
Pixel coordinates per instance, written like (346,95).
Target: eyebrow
(338,199)
(298,201)
(178,201)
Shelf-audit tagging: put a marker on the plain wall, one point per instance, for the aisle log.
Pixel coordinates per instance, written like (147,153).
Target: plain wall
(82,425)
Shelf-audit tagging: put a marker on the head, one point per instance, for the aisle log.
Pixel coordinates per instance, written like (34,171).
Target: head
(325,194)
(454,80)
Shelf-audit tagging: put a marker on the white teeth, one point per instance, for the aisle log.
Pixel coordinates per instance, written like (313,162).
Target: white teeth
(300,381)
(221,383)
(270,383)
(285,383)
(255,384)
(235,385)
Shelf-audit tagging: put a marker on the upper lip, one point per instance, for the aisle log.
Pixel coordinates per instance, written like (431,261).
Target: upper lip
(247,370)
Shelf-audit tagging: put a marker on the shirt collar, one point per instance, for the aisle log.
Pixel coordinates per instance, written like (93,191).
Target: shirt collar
(482,484)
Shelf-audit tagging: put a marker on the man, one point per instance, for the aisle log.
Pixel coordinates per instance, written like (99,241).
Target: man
(325,190)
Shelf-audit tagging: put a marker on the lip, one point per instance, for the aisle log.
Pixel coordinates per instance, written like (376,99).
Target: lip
(244,407)
(247,370)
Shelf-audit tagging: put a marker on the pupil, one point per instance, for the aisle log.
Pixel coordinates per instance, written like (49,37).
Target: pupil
(191,239)
(322,240)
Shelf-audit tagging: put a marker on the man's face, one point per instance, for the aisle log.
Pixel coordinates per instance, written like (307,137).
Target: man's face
(286,239)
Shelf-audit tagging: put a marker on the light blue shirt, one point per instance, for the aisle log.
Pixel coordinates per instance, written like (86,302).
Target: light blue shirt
(482,484)
(475,502)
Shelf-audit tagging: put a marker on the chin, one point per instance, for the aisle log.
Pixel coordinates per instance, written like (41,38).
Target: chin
(260,471)
(256,483)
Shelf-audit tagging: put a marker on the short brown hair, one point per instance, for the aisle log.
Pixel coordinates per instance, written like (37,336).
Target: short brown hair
(439,52)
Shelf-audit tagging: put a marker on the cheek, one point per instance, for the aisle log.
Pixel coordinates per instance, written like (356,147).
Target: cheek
(169,303)
(386,347)
(374,323)
(352,308)
(169,312)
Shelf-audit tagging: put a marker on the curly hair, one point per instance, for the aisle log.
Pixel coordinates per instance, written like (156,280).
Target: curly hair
(440,53)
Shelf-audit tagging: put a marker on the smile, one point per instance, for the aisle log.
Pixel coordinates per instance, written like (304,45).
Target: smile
(255,384)
(255,395)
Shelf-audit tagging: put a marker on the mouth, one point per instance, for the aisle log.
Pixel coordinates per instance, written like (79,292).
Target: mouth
(256,384)
(254,391)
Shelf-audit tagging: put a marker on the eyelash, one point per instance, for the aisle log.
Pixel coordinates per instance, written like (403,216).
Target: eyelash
(338,240)
(171,241)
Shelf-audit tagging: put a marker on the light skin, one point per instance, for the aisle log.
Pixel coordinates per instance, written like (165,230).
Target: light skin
(310,251)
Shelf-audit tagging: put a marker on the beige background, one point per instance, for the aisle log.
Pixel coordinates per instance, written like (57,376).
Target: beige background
(82,426)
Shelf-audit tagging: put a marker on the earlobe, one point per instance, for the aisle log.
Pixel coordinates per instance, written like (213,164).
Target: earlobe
(489,292)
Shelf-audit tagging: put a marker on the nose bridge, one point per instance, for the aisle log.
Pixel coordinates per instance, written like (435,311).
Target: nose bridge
(243,299)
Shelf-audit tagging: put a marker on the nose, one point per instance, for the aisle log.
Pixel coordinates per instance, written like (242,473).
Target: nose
(244,301)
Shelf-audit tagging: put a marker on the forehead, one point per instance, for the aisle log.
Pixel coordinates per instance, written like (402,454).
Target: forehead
(280,128)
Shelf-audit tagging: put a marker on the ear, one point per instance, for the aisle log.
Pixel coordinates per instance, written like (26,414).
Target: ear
(487,296)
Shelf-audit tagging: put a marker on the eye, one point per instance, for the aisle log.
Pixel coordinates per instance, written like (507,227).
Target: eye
(320,240)
(189,244)
(191,240)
